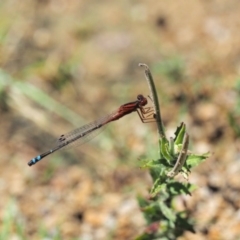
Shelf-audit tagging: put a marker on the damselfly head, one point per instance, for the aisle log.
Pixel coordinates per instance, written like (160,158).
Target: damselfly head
(142,100)
(140,97)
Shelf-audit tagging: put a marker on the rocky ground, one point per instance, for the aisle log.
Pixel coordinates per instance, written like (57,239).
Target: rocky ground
(83,56)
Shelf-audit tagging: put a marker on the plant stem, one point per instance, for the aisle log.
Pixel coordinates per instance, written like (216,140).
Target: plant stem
(154,96)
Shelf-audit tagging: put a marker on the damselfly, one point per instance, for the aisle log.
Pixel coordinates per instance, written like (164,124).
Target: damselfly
(88,131)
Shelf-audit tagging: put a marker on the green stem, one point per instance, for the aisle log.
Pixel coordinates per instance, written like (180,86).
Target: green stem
(154,96)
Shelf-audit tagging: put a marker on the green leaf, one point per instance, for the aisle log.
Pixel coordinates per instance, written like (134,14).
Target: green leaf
(177,188)
(152,212)
(167,212)
(164,149)
(184,223)
(157,171)
(142,202)
(157,186)
(145,163)
(194,160)
(179,134)
(171,147)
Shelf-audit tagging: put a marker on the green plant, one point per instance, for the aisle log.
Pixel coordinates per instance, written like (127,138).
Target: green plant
(164,221)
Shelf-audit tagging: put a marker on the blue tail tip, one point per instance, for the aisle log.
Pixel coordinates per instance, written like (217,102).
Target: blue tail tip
(34,160)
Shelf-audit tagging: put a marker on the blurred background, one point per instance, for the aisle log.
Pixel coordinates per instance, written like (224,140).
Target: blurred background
(65,63)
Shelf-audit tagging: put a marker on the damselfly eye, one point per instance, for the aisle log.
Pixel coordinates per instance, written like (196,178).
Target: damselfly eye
(140,97)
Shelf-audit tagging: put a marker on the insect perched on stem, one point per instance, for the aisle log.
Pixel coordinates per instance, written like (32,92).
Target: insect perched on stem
(88,131)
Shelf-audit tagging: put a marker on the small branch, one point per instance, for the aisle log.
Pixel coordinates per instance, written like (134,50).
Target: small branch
(181,158)
(154,96)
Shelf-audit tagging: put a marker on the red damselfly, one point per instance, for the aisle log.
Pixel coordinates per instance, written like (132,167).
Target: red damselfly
(88,131)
